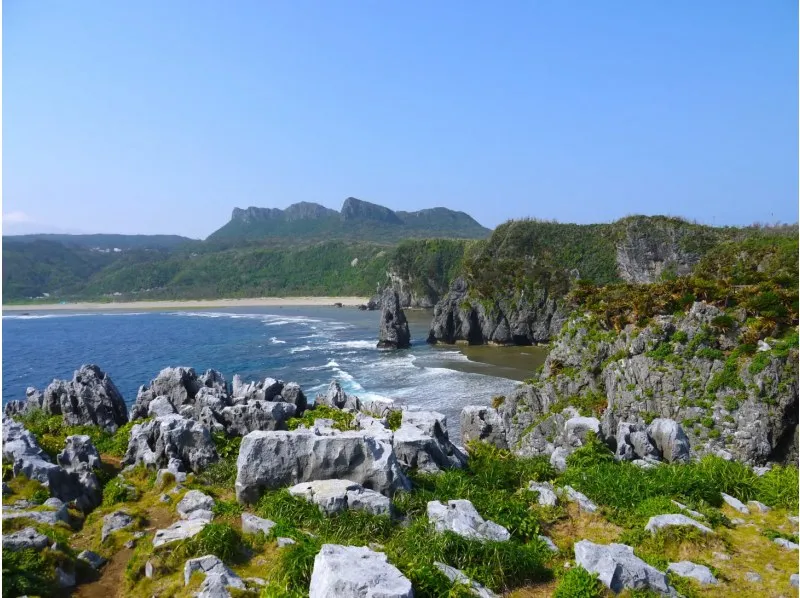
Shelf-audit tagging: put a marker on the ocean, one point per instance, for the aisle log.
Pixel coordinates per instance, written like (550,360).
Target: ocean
(307,345)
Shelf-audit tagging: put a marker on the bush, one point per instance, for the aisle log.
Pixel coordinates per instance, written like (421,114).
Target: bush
(778,487)
(342,420)
(394,420)
(593,452)
(26,572)
(579,583)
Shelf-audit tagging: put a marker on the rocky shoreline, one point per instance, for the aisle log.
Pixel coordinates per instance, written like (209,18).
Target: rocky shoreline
(337,452)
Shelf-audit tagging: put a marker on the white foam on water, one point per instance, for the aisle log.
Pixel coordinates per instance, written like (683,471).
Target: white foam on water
(42,316)
(301,349)
(276,341)
(354,345)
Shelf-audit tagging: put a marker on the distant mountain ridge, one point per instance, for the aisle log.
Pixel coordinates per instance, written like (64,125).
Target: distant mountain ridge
(105,241)
(358,220)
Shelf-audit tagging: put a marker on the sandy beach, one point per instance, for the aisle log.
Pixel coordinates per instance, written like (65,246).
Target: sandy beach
(199,304)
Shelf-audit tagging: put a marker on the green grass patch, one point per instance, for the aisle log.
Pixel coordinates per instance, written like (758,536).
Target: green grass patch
(27,572)
(579,583)
(342,420)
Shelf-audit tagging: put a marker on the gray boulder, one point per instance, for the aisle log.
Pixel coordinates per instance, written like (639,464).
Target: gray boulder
(160,406)
(699,573)
(356,572)
(422,442)
(484,424)
(180,530)
(251,524)
(155,442)
(735,503)
(674,520)
(275,459)
(195,504)
(54,511)
(393,332)
(558,459)
(94,560)
(583,502)
(332,496)
(113,522)
(670,439)
(794,580)
(634,443)
(618,568)
(293,394)
(242,419)
(80,457)
(26,538)
(461,517)
(787,544)
(547,494)
(757,506)
(336,397)
(89,399)
(218,576)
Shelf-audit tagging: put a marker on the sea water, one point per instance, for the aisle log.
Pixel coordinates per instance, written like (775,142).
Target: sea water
(308,345)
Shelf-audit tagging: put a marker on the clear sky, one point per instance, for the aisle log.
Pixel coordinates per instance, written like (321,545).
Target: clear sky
(162,116)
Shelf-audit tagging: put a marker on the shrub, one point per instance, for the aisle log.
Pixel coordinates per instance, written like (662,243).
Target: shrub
(26,572)
(593,452)
(394,419)
(579,583)
(778,487)
(342,420)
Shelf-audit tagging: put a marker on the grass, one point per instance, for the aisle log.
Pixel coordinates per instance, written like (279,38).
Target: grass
(342,420)
(27,572)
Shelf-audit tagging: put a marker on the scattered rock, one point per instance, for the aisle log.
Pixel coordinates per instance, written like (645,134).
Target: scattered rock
(735,503)
(251,524)
(218,577)
(758,506)
(180,530)
(794,580)
(149,570)
(25,538)
(332,496)
(700,573)
(458,576)
(737,521)
(282,542)
(484,424)
(461,517)
(113,522)
(662,521)
(787,544)
(95,560)
(195,504)
(683,507)
(547,495)
(760,471)
(65,578)
(584,504)
(576,429)
(356,572)
(720,556)
(618,568)
(752,577)
(276,459)
(393,332)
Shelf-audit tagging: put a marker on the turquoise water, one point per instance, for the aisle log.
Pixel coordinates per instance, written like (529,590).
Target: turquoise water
(310,346)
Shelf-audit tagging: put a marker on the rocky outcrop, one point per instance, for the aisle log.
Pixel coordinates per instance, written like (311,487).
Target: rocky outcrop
(458,317)
(618,568)
(25,539)
(114,522)
(27,458)
(275,459)
(462,518)
(674,389)
(356,572)
(154,443)
(336,397)
(457,576)
(699,573)
(242,419)
(484,424)
(251,524)
(393,332)
(89,399)
(80,458)
(180,386)
(660,522)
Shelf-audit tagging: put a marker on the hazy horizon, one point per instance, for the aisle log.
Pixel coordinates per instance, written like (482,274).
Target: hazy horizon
(160,119)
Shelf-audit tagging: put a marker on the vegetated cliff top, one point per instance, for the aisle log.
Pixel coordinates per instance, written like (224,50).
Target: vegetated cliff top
(357,220)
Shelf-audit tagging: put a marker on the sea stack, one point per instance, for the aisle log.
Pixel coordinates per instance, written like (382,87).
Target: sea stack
(393,332)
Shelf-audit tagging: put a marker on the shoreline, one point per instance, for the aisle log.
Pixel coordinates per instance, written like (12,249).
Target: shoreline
(193,304)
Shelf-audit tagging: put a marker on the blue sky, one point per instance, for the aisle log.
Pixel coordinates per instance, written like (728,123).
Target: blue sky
(161,117)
